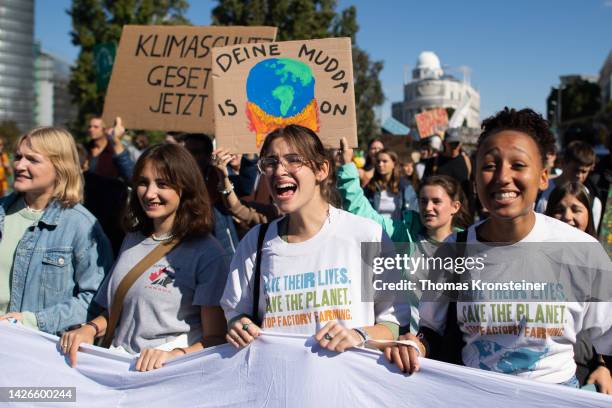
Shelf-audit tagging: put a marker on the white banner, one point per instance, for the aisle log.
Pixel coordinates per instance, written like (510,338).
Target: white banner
(275,371)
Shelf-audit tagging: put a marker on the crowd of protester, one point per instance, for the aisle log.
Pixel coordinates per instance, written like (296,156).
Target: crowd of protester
(159,251)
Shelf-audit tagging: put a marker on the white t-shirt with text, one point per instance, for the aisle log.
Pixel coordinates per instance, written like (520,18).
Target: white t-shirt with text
(531,339)
(305,285)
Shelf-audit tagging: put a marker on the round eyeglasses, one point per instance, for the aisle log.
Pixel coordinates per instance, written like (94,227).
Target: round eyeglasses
(291,162)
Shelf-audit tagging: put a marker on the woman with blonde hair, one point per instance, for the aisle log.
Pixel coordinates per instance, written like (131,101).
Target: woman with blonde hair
(53,252)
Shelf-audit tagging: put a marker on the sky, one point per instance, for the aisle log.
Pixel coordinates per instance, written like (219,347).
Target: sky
(516,50)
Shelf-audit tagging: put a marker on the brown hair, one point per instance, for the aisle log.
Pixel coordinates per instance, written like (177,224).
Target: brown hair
(579,191)
(308,145)
(414,177)
(368,162)
(377,183)
(463,217)
(579,152)
(96,117)
(176,165)
(59,146)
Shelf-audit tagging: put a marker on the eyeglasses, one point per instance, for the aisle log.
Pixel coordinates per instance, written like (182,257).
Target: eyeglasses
(291,162)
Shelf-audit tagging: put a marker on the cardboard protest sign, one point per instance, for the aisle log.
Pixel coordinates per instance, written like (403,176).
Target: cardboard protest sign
(162,78)
(261,87)
(432,122)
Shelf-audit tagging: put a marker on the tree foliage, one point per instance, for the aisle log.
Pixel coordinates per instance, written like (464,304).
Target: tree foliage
(101,21)
(578,99)
(309,19)
(10,131)
(579,105)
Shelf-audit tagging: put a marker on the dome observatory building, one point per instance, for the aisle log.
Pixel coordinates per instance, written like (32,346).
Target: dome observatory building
(431,88)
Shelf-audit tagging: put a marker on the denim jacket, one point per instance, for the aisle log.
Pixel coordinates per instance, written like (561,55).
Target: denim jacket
(408,199)
(59,264)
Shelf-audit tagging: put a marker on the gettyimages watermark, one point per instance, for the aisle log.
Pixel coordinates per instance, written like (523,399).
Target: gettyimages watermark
(523,272)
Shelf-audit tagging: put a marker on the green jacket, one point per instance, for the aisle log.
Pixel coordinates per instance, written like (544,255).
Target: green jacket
(355,201)
(405,230)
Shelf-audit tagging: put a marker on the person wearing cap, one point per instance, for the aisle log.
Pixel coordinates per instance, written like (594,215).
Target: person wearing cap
(429,149)
(453,162)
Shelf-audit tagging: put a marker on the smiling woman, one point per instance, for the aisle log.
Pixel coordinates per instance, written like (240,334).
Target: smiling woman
(49,285)
(511,169)
(176,269)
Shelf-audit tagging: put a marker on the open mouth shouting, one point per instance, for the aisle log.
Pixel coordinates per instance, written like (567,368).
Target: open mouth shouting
(284,189)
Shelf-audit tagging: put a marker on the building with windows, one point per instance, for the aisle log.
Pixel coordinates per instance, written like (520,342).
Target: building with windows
(54,105)
(17,56)
(431,87)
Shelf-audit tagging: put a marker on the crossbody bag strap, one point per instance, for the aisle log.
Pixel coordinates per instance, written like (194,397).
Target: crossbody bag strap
(126,283)
(453,332)
(257,275)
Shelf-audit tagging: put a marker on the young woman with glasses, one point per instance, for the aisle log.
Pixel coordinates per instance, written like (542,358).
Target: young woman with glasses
(310,259)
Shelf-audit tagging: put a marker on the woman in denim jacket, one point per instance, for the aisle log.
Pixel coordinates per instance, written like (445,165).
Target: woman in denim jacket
(53,252)
(389,193)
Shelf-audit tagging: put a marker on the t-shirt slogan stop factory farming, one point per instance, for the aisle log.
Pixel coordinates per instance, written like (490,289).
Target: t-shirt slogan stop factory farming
(308,284)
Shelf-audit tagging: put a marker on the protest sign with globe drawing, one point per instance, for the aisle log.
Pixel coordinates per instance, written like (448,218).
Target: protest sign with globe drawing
(261,87)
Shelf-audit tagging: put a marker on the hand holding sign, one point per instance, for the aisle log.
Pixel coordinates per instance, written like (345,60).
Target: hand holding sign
(115,135)
(345,152)
(221,158)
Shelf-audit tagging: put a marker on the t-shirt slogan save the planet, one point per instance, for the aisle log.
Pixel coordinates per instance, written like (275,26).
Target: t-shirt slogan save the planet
(306,285)
(530,339)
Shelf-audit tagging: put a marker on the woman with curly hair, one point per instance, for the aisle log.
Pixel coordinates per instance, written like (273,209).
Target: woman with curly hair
(511,159)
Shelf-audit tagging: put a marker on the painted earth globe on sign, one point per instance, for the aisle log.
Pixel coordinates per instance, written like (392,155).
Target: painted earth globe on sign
(280,92)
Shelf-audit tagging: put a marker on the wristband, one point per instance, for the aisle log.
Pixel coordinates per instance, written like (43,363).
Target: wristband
(424,342)
(181,349)
(227,192)
(95,326)
(364,335)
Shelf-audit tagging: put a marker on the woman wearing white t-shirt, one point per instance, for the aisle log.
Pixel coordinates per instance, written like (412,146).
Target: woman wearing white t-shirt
(310,259)
(524,339)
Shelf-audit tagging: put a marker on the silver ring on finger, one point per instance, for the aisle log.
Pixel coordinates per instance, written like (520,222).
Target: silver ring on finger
(327,337)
